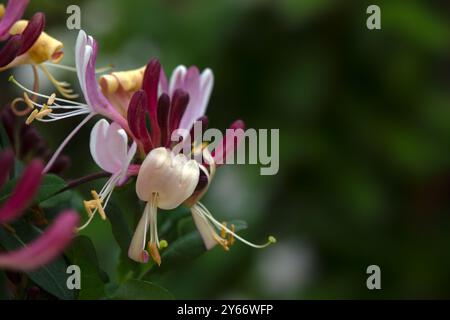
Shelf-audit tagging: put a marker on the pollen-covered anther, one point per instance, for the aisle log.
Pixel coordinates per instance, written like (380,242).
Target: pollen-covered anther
(231,235)
(95,204)
(154,252)
(39,114)
(223,231)
(51,99)
(98,200)
(221,241)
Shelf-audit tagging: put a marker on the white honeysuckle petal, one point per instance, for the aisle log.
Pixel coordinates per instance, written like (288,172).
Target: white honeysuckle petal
(136,251)
(79,55)
(173,178)
(97,138)
(205,229)
(109,147)
(117,145)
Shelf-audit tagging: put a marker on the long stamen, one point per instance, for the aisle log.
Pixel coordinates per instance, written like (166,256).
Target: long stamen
(62,87)
(66,141)
(153,244)
(73,69)
(21,86)
(205,211)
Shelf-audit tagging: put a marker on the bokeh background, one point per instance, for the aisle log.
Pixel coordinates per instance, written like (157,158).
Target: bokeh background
(364,119)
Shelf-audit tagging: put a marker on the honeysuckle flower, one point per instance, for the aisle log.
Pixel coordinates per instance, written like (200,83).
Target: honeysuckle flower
(18,44)
(28,44)
(165,181)
(166,178)
(109,149)
(53,241)
(57,109)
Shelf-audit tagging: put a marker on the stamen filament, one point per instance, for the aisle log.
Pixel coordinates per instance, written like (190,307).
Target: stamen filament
(218,225)
(17,83)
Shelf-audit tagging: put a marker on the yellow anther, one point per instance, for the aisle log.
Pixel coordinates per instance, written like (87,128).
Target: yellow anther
(98,202)
(231,236)
(154,252)
(51,99)
(32,116)
(2,10)
(44,112)
(223,232)
(88,206)
(163,244)
(222,242)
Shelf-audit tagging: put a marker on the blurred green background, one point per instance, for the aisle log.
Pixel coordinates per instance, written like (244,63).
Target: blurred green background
(364,119)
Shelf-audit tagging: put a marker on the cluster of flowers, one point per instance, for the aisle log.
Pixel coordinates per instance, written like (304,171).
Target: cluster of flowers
(141,111)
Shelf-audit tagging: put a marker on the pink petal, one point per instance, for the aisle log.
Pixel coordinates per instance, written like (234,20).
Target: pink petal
(229,143)
(23,193)
(10,50)
(32,32)
(14,11)
(150,87)
(177,79)
(199,88)
(45,248)
(137,110)
(163,84)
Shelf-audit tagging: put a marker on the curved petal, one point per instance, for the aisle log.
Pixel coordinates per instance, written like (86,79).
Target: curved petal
(229,143)
(23,193)
(14,11)
(137,251)
(199,88)
(97,145)
(10,50)
(117,145)
(177,79)
(32,32)
(173,178)
(109,147)
(45,248)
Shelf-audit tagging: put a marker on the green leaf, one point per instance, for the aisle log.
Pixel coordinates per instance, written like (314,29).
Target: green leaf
(50,185)
(82,253)
(142,290)
(120,228)
(51,277)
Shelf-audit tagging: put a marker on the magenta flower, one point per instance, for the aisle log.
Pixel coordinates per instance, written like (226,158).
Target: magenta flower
(53,241)
(18,44)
